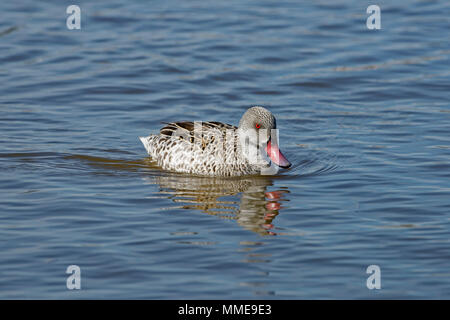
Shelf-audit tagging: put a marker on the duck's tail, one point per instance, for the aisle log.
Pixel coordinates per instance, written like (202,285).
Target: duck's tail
(146,142)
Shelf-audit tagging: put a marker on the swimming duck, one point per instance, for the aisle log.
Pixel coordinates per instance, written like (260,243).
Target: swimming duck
(218,149)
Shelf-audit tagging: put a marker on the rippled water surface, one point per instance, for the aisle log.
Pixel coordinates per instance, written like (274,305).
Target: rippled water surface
(363,114)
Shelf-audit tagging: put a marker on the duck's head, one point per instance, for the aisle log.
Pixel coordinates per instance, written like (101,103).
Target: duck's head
(261,121)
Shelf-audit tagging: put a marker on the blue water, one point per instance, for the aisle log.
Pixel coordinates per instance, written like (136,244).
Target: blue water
(363,115)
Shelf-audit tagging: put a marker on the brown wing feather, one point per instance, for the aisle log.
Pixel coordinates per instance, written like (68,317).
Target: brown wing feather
(171,127)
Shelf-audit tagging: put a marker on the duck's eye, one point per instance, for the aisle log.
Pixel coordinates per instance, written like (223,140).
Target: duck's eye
(257,126)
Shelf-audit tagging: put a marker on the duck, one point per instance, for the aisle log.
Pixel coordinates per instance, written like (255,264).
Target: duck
(211,148)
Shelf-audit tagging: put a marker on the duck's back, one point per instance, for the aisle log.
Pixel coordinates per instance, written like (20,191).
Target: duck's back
(204,148)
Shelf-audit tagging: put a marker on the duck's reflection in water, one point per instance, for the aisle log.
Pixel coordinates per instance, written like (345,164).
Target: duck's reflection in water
(245,200)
